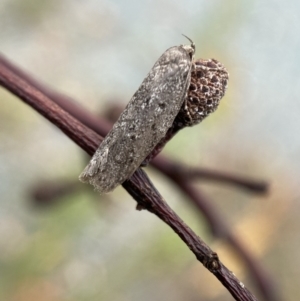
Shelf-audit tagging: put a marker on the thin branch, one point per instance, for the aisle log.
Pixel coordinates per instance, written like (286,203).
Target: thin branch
(46,193)
(138,186)
(99,125)
(220,229)
(184,173)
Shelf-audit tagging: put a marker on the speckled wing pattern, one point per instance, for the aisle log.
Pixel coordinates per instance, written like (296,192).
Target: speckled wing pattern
(144,122)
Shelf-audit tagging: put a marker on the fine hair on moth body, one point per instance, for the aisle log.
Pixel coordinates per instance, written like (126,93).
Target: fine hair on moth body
(144,122)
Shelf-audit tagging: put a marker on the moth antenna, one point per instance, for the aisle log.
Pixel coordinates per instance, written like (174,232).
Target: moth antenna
(192,43)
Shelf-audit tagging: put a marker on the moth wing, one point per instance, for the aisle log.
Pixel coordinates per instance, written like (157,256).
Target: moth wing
(143,123)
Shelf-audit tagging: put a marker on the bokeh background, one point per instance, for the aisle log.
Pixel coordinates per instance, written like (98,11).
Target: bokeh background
(91,247)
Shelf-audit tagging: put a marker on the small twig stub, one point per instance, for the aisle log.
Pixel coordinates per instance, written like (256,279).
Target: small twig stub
(144,122)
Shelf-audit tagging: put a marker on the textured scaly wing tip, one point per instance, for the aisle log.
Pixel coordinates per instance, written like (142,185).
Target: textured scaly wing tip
(89,175)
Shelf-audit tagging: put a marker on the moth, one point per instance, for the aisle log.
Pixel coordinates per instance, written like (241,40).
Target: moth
(144,122)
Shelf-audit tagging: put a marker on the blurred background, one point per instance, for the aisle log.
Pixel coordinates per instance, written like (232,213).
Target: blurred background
(91,247)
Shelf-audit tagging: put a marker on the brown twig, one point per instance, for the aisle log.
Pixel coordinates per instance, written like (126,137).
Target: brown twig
(183,173)
(220,229)
(46,193)
(100,126)
(139,186)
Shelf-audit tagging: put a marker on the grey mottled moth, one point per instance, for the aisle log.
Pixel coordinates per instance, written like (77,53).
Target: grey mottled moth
(144,122)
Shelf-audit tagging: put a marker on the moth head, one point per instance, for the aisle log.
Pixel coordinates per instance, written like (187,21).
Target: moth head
(190,49)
